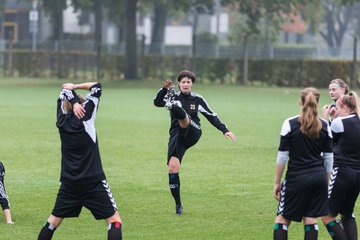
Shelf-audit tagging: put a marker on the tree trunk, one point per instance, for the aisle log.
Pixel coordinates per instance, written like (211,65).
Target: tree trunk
(131,41)
(121,31)
(98,37)
(336,16)
(58,35)
(194,42)
(158,33)
(2,40)
(245,66)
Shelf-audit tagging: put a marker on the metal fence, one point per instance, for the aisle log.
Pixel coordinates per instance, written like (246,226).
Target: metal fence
(203,50)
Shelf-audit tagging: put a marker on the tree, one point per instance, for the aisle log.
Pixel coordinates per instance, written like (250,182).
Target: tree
(260,13)
(337,20)
(161,9)
(131,40)
(55,9)
(95,6)
(116,12)
(2,15)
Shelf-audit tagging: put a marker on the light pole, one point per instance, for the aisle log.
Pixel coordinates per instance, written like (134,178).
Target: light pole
(217,11)
(33,20)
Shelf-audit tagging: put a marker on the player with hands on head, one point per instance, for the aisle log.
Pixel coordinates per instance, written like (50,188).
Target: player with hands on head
(337,88)
(306,144)
(185,130)
(344,186)
(83,181)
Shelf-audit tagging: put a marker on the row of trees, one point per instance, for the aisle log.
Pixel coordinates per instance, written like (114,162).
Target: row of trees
(258,15)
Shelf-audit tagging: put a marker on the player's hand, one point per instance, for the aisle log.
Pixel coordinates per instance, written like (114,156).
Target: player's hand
(69,86)
(276,191)
(79,110)
(167,83)
(325,111)
(230,135)
(333,112)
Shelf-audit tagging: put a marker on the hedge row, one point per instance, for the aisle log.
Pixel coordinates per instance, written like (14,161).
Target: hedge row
(80,65)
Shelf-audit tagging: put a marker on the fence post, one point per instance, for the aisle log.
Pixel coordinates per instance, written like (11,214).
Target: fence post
(354,66)
(10,55)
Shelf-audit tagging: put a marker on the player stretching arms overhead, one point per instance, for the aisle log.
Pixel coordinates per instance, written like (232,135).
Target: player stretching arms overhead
(83,182)
(185,131)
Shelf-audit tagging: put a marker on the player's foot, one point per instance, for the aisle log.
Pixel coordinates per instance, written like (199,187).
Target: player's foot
(10,222)
(170,98)
(179,209)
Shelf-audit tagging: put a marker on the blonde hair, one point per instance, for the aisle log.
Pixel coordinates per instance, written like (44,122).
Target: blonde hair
(68,106)
(310,123)
(351,100)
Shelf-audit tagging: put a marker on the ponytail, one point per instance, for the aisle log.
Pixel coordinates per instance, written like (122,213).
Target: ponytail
(310,124)
(351,100)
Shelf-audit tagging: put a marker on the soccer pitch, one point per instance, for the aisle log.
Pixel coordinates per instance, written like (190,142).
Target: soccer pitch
(226,187)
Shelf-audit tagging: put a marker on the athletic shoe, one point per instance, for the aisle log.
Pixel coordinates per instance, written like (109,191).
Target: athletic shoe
(179,209)
(170,98)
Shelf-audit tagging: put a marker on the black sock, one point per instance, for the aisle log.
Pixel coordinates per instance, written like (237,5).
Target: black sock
(280,231)
(174,184)
(350,227)
(114,232)
(336,231)
(311,232)
(178,112)
(46,232)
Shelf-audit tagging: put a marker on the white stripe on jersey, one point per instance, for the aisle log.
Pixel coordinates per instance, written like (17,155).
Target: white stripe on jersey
(90,124)
(285,129)
(337,125)
(201,108)
(68,93)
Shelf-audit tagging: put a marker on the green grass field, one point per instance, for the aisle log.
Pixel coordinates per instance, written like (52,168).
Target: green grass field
(226,186)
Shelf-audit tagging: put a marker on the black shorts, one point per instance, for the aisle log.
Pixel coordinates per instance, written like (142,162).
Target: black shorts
(183,140)
(304,195)
(4,200)
(344,189)
(96,197)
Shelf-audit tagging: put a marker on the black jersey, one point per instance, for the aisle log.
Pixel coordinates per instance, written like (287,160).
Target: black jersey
(304,152)
(193,104)
(80,156)
(346,133)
